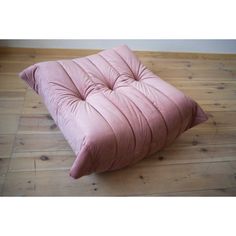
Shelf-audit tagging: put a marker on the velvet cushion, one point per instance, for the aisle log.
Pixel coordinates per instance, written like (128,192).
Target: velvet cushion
(112,110)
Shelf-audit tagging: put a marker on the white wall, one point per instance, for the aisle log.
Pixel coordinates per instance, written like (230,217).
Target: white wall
(205,46)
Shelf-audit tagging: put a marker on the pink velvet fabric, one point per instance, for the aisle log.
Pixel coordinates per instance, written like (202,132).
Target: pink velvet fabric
(112,110)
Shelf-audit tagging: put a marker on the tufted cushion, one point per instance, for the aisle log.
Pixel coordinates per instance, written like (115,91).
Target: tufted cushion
(112,110)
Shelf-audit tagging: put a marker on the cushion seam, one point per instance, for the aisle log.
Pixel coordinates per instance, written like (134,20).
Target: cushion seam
(180,114)
(97,69)
(167,130)
(125,63)
(125,118)
(102,73)
(116,148)
(69,77)
(145,120)
(109,63)
(119,74)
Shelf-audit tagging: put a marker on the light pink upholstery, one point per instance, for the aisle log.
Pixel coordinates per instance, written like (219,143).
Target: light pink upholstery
(112,110)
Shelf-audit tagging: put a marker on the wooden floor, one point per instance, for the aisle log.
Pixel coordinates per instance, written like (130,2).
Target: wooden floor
(35,158)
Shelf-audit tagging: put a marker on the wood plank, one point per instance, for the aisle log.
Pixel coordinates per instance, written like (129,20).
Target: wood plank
(219,120)
(17,57)
(192,78)
(33,104)
(218,105)
(195,137)
(192,154)
(229,85)
(12,83)
(84,52)
(11,106)
(138,181)
(40,162)
(19,184)
(47,51)
(160,63)
(31,154)
(8,124)
(63,160)
(32,58)
(6,145)
(203,74)
(207,192)
(186,55)
(2,179)
(30,124)
(13,67)
(40,142)
(210,94)
(166,64)
(4,164)
(12,95)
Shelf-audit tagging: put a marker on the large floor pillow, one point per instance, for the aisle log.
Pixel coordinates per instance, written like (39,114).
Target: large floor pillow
(111,108)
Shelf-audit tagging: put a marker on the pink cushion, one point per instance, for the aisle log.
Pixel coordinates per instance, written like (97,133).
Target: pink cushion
(112,110)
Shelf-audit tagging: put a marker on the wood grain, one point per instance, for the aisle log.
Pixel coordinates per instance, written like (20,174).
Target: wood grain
(11,106)
(38,161)
(208,192)
(29,124)
(6,145)
(33,104)
(40,142)
(8,124)
(152,180)
(11,83)
(35,158)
